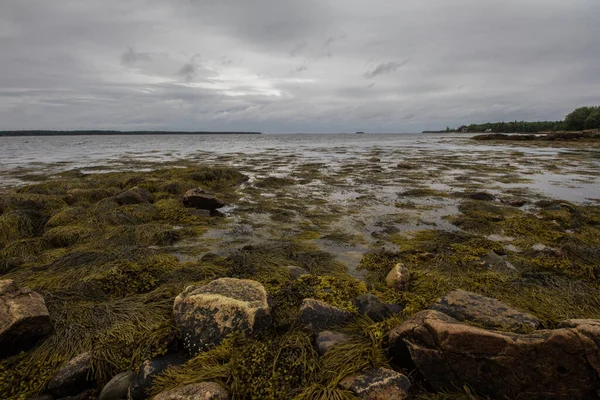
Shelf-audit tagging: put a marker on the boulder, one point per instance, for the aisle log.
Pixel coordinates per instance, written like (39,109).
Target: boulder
(206,314)
(485,311)
(24,318)
(118,387)
(138,390)
(196,198)
(546,364)
(134,195)
(368,304)
(327,339)
(484,196)
(377,384)
(71,378)
(203,390)
(398,277)
(317,316)
(295,271)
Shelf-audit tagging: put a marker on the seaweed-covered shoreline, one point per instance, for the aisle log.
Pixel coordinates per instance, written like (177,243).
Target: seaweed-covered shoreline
(109,272)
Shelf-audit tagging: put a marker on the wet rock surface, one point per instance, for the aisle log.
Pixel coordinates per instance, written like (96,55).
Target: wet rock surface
(317,316)
(72,378)
(134,195)
(197,198)
(544,364)
(206,314)
(378,384)
(485,311)
(139,388)
(24,318)
(195,391)
(118,387)
(326,340)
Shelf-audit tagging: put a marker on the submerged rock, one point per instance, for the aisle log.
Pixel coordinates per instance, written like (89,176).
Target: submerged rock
(206,314)
(484,196)
(545,364)
(118,387)
(398,277)
(135,195)
(71,378)
(318,316)
(326,340)
(378,384)
(370,305)
(485,311)
(196,198)
(24,318)
(195,391)
(138,390)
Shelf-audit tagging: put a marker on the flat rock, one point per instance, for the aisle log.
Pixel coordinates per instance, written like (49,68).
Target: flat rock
(485,311)
(71,378)
(378,384)
(135,195)
(196,198)
(318,316)
(326,340)
(138,390)
(370,305)
(195,391)
(206,314)
(546,364)
(24,318)
(117,387)
(398,277)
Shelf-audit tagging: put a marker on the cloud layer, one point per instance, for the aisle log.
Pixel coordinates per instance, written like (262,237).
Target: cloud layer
(294,66)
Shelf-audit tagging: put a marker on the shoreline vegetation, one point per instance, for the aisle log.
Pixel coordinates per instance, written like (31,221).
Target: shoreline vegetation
(222,278)
(115,133)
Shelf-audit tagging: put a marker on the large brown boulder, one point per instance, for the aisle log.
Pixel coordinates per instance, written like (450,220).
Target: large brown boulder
(485,311)
(196,198)
(546,364)
(24,318)
(195,391)
(206,314)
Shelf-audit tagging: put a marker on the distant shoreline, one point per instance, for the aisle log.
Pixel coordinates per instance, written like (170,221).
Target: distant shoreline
(115,133)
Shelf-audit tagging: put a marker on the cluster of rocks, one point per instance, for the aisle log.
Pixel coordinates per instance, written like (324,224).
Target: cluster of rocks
(193,198)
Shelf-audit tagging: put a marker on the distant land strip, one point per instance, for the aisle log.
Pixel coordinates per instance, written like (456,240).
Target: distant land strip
(115,133)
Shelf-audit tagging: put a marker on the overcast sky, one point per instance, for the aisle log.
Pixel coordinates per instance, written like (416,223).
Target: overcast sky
(294,66)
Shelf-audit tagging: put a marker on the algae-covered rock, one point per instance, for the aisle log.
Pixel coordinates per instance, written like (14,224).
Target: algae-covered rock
(196,198)
(134,195)
(485,311)
(483,196)
(295,271)
(24,318)
(71,378)
(205,315)
(195,391)
(318,316)
(370,305)
(398,277)
(378,384)
(148,371)
(118,387)
(326,340)
(545,364)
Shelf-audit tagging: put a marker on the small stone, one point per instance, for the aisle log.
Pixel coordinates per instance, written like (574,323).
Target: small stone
(196,198)
(398,277)
(484,196)
(205,315)
(24,318)
(378,384)
(318,316)
(195,391)
(138,390)
(134,195)
(118,386)
(368,304)
(295,271)
(71,378)
(326,340)
(486,311)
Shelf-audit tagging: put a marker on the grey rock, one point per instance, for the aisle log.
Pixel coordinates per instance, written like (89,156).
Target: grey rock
(148,371)
(326,340)
(134,195)
(485,311)
(318,316)
(24,318)
(370,305)
(117,387)
(206,314)
(195,391)
(71,378)
(196,198)
(378,384)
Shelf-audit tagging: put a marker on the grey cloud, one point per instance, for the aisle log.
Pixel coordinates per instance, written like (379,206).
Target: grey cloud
(385,68)
(131,56)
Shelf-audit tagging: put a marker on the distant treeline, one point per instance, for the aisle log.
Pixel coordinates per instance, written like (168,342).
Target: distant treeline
(109,133)
(580,119)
